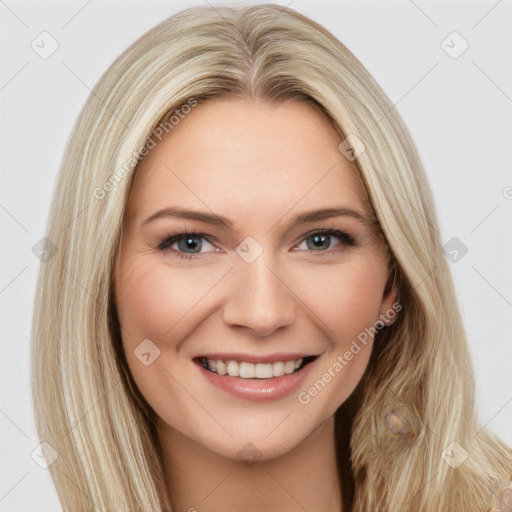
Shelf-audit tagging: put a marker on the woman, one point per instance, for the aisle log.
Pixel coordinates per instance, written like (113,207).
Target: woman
(250,307)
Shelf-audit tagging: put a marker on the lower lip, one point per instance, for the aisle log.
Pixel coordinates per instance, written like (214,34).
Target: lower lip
(258,390)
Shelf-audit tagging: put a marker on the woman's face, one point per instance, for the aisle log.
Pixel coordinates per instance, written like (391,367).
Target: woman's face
(223,259)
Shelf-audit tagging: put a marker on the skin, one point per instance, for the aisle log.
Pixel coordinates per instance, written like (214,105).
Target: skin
(260,166)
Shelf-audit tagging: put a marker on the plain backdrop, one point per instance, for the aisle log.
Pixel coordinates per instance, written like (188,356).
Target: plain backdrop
(457,105)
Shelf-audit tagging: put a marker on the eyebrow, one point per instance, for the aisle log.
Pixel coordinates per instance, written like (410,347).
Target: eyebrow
(219,220)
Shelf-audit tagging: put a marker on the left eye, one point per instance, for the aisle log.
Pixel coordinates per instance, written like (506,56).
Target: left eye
(323,240)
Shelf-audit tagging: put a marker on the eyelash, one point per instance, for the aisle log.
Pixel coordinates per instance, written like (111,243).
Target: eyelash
(166,243)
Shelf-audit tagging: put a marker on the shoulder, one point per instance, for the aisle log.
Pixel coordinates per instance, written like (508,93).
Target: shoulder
(503,499)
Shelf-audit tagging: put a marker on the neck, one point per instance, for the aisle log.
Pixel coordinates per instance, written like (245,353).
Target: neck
(200,480)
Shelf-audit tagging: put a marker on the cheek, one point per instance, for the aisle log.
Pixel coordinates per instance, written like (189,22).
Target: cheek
(154,302)
(140,302)
(347,303)
(164,306)
(346,298)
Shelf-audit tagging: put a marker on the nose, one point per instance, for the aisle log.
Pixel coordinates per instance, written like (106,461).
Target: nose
(258,299)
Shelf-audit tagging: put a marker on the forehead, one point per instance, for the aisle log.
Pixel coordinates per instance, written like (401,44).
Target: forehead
(238,156)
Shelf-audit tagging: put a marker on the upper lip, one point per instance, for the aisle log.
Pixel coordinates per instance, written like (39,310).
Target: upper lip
(255,358)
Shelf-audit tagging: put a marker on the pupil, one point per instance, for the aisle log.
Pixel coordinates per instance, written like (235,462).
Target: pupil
(320,242)
(190,243)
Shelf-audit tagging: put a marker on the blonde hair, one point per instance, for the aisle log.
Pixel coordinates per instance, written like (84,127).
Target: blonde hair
(86,404)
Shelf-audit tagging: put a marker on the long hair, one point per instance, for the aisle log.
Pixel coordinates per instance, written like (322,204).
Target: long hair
(413,409)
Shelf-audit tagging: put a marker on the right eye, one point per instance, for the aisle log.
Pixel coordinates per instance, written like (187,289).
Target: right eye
(186,245)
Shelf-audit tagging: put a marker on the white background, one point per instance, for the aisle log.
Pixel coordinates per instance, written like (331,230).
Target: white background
(458,111)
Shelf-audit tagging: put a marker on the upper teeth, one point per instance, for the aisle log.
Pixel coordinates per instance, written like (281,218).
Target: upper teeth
(253,370)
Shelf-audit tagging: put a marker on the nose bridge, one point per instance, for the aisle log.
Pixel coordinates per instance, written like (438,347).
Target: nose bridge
(258,298)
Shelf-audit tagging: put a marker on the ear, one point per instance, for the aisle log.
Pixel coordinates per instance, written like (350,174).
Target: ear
(390,302)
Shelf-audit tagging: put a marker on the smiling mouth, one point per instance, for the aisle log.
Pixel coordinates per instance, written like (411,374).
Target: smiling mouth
(247,370)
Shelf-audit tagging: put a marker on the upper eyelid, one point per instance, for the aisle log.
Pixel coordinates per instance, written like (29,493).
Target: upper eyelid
(325,230)
(329,232)
(174,238)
